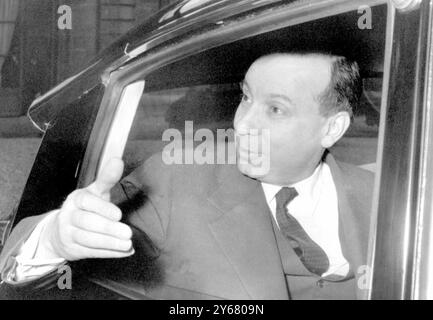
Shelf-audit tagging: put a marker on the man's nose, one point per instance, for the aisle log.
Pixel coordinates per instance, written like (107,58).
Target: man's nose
(247,121)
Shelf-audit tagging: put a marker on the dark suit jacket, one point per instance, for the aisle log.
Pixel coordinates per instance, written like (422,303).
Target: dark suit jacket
(205,231)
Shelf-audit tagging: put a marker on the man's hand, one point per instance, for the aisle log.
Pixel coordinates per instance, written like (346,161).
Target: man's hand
(87,225)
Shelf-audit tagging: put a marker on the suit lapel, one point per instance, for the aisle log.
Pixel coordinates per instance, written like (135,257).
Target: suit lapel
(244,232)
(353,229)
(243,229)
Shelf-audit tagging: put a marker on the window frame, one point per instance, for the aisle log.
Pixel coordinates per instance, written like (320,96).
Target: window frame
(137,68)
(405,225)
(148,61)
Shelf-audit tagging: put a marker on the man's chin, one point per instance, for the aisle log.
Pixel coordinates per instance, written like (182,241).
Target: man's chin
(251,171)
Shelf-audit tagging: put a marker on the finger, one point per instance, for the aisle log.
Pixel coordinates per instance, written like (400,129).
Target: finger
(87,201)
(107,178)
(94,223)
(100,241)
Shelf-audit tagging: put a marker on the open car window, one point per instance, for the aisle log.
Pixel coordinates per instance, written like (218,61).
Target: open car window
(201,90)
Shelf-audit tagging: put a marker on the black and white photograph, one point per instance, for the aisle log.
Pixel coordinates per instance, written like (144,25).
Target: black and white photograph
(237,150)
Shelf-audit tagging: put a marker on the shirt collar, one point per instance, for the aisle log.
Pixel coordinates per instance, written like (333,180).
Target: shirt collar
(305,188)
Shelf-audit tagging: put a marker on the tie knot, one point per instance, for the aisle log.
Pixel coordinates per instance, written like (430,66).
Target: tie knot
(285,195)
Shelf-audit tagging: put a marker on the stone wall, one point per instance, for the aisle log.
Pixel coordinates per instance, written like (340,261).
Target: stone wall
(78,45)
(96,24)
(43,55)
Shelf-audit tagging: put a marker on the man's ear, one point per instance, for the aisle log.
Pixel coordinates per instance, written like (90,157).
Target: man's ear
(335,127)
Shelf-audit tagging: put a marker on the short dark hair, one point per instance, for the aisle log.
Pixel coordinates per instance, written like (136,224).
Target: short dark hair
(345,87)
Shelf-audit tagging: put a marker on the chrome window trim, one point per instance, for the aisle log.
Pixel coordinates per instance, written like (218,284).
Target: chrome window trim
(423,269)
(381,139)
(296,13)
(122,123)
(406,5)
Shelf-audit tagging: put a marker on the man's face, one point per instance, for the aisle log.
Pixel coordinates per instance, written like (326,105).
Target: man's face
(279,98)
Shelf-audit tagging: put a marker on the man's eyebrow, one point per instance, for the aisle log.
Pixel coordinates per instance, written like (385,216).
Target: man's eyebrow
(281,96)
(243,84)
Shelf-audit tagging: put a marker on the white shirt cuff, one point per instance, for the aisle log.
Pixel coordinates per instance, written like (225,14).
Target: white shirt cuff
(28,265)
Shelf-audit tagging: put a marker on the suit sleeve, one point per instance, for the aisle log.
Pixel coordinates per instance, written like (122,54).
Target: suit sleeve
(144,200)
(16,239)
(11,250)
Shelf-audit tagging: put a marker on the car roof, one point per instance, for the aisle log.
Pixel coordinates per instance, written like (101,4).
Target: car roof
(185,13)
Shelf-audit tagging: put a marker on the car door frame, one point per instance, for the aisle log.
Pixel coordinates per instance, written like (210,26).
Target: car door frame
(158,57)
(403,248)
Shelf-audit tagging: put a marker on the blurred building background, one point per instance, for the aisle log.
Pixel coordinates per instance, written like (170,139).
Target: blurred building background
(35,54)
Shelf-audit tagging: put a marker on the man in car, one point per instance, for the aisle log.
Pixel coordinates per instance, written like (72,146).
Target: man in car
(297,230)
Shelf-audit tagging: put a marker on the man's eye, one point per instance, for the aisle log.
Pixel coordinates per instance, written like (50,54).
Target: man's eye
(245,98)
(275,110)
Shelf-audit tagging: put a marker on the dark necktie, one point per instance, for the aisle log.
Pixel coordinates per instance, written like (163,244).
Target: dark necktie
(311,255)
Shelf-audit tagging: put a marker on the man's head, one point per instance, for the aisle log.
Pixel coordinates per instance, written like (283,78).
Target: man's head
(305,102)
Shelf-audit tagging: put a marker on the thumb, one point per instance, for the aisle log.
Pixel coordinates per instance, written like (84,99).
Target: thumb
(110,174)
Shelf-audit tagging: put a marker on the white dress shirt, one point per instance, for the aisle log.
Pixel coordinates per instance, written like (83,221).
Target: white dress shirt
(316,209)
